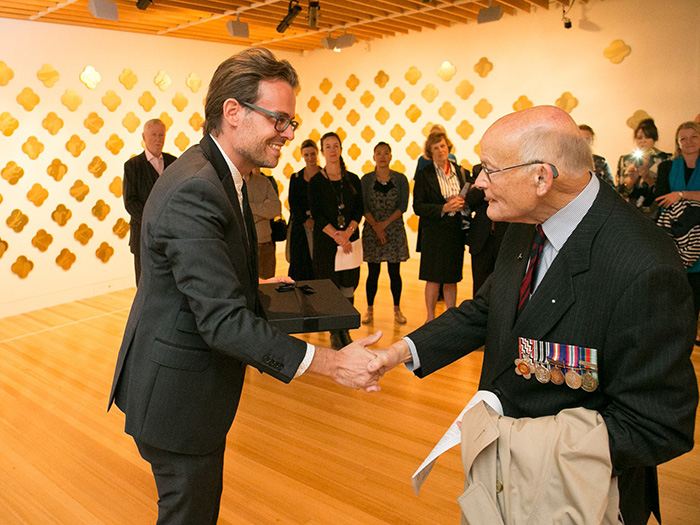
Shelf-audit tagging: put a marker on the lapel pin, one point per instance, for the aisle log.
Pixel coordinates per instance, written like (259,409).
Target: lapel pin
(520,256)
(554,301)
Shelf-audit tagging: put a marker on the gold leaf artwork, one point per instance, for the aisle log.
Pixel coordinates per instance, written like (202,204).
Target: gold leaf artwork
(397,133)
(93,122)
(354,151)
(413,113)
(326,119)
(522,103)
(325,86)
(636,118)
(447,71)
(116,186)
(71,99)
(180,101)
(17,221)
(313,104)
(366,99)
(193,82)
(28,99)
(483,108)
(79,190)
(315,135)
(128,78)
(427,128)
(90,77)
(83,234)
(52,123)
(353,117)
(32,147)
(368,166)
(42,240)
(120,228)
(298,119)
(465,129)
(413,75)
(429,93)
(466,164)
(57,170)
(166,119)
(147,101)
(196,121)
(397,96)
(382,115)
(162,80)
(483,67)
(617,51)
(288,170)
(97,167)
(37,195)
(131,122)
(342,134)
(339,101)
(8,124)
(367,134)
(104,252)
(0,198)
(567,102)
(414,150)
(447,111)
(412,223)
(111,100)
(411,185)
(397,165)
(48,76)
(464,89)
(6,74)
(61,215)
(352,82)
(12,172)
(22,266)
(182,141)
(297,154)
(4,246)
(101,209)
(381,79)
(75,145)
(477,150)
(65,259)
(114,144)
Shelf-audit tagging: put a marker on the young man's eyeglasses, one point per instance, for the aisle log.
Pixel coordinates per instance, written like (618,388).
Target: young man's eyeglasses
(282,122)
(488,172)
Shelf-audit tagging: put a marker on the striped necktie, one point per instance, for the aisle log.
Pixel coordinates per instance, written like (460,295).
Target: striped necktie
(530,277)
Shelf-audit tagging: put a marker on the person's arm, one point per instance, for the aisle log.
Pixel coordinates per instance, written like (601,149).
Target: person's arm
(264,201)
(422,205)
(133,200)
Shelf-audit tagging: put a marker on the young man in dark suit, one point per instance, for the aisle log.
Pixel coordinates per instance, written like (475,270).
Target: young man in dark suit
(195,323)
(140,174)
(607,315)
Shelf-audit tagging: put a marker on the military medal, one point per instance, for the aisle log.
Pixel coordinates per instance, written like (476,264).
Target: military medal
(588,382)
(573,380)
(542,369)
(524,367)
(556,375)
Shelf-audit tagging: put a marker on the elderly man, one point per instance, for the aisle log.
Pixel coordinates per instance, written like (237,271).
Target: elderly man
(195,323)
(604,321)
(140,174)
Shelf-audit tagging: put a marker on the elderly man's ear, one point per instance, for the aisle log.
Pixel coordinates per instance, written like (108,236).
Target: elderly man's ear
(543,179)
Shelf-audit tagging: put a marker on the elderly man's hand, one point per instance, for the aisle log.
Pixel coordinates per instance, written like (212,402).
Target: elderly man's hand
(352,365)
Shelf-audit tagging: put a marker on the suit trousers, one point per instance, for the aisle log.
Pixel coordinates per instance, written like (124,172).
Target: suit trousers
(189,487)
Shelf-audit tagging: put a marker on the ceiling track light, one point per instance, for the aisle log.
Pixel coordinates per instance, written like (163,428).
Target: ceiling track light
(292,12)
(143,4)
(103,9)
(314,8)
(237,29)
(564,11)
(338,43)
(491,13)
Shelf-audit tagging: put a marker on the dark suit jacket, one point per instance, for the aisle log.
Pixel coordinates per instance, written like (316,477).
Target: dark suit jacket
(194,324)
(139,178)
(616,285)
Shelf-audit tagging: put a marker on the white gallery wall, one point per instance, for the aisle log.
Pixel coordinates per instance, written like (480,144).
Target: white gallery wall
(391,89)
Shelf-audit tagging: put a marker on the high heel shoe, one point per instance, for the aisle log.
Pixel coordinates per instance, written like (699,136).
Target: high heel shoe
(399,317)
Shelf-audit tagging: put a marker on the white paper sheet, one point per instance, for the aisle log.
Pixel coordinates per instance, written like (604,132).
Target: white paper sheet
(452,437)
(348,261)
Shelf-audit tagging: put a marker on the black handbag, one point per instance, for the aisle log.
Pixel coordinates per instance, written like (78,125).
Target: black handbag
(278,229)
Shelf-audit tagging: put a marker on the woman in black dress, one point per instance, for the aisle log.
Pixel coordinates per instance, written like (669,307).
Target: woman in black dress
(301,222)
(437,202)
(335,197)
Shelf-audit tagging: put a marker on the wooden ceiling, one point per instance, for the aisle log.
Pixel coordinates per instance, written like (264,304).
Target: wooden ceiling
(206,19)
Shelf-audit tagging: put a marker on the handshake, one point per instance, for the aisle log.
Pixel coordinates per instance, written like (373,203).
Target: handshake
(357,366)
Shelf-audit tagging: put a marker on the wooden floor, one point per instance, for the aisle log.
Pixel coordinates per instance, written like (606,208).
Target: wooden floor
(309,453)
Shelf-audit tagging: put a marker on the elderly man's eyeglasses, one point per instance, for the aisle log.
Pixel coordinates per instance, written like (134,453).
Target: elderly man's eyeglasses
(488,172)
(282,122)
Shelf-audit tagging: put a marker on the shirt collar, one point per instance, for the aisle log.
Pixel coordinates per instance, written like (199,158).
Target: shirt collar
(150,156)
(237,178)
(560,226)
